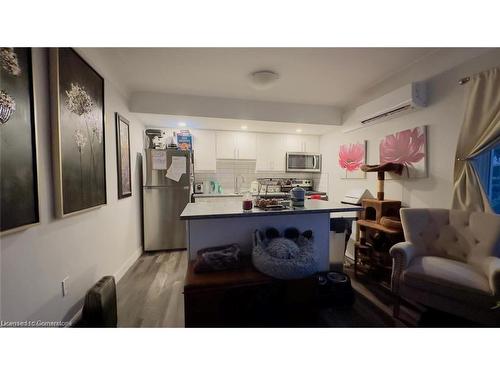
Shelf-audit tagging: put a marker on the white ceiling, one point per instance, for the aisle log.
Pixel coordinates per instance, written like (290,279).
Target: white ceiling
(322,76)
(333,79)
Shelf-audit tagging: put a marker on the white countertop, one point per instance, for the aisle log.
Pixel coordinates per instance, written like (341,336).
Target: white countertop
(218,209)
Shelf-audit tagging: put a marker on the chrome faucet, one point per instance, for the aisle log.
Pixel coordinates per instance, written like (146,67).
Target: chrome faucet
(237,185)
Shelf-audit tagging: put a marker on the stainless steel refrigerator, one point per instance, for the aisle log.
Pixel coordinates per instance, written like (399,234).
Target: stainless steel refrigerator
(164,198)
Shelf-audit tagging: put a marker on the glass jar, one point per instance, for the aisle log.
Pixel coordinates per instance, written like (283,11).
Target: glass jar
(247,202)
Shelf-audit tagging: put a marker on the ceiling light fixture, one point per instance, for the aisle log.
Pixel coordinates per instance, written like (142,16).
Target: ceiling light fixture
(299,130)
(244,127)
(182,124)
(263,79)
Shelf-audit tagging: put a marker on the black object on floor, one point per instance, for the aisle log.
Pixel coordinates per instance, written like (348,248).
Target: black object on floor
(334,288)
(99,309)
(439,319)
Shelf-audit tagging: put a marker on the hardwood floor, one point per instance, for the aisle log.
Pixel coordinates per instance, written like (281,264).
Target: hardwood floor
(150,293)
(382,300)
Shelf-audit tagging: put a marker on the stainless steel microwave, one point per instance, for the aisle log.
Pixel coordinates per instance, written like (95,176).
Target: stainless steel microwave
(303,162)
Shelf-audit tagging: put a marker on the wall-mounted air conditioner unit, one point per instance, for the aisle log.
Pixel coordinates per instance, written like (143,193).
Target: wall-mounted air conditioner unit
(394,104)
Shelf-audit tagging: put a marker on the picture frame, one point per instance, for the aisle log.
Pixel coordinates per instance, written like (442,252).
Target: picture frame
(19,179)
(351,157)
(408,147)
(124,175)
(78,133)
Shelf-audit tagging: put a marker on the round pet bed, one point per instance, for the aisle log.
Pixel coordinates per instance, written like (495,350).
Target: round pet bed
(284,258)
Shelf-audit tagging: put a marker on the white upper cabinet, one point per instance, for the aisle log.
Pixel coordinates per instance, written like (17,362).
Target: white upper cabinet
(246,145)
(302,143)
(271,152)
(311,143)
(204,150)
(226,145)
(236,145)
(293,143)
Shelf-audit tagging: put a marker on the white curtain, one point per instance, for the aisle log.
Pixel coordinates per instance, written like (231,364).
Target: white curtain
(480,131)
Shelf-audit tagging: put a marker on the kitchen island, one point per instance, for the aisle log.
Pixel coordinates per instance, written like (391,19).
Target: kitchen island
(219,223)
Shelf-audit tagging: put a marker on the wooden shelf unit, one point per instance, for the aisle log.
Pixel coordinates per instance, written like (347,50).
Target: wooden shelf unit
(370,257)
(373,225)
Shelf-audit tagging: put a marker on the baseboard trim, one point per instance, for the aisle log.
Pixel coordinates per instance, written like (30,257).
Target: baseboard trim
(127,264)
(117,275)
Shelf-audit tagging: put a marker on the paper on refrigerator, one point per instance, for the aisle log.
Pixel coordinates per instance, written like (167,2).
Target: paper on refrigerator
(158,159)
(177,168)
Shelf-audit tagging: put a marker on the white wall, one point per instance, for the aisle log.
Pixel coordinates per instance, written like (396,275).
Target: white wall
(84,247)
(231,108)
(444,119)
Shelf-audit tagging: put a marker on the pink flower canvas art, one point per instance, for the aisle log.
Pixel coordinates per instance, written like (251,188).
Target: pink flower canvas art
(351,157)
(407,147)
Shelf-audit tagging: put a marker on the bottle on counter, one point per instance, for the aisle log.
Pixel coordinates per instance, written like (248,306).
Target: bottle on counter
(298,196)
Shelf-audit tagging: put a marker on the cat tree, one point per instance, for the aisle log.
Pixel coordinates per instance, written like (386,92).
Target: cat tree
(379,225)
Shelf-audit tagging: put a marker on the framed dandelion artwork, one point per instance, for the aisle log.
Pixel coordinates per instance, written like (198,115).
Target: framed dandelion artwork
(77,99)
(408,147)
(18,146)
(123,157)
(351,157)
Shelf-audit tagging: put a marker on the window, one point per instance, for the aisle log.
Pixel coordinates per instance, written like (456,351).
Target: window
(487,166)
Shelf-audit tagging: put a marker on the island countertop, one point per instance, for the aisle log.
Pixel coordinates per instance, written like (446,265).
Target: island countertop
(207,210)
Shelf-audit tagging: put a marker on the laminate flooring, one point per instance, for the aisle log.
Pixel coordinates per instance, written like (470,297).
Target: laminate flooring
(150,293)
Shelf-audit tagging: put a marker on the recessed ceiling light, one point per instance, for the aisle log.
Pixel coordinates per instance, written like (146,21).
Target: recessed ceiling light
(182,124)
(244,127)
(299,130)
(263,79)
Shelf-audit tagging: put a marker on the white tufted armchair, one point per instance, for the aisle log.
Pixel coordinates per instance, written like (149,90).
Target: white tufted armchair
(450,262)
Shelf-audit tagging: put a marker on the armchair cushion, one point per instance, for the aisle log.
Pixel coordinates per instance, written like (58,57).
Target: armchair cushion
(459,235)
(485,241)
(407,251)
(491,268)
(451,261)
(447,277)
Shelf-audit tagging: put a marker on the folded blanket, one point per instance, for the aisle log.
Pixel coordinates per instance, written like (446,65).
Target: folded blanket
(218,258)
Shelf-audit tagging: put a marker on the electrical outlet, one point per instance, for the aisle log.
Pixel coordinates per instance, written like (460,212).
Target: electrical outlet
(64,286)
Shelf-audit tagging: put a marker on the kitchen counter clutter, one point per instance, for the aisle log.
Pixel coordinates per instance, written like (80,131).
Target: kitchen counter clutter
(220,209)
(225,195)
(230,197)
(221,195)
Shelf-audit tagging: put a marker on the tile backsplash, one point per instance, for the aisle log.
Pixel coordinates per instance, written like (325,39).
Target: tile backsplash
(228,170)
